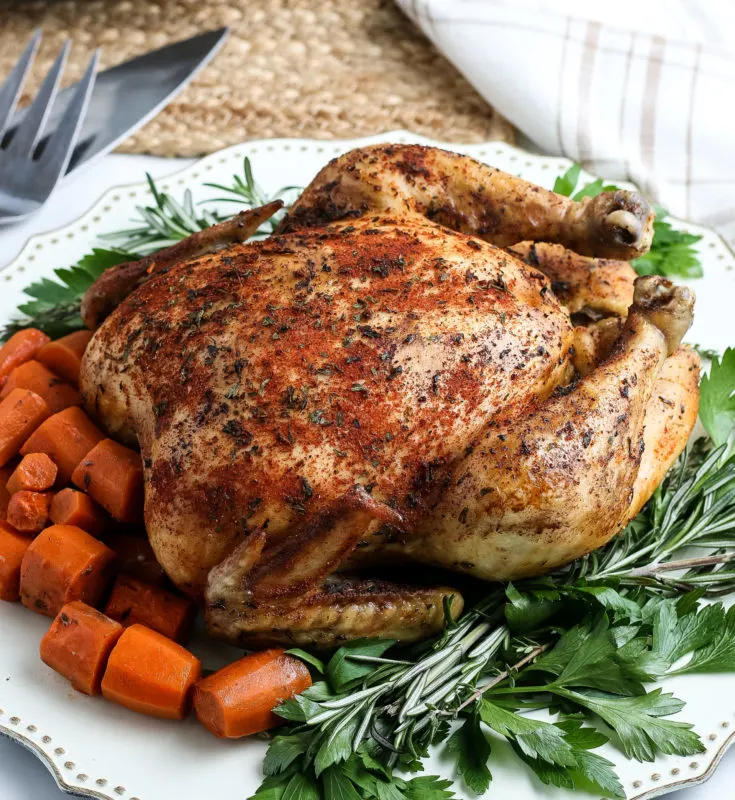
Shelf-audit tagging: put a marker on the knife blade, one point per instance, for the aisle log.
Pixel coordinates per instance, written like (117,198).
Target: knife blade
(125,97)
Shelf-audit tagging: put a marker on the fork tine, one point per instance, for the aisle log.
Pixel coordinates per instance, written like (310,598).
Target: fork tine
(61,143)
(29,131)
(10,90)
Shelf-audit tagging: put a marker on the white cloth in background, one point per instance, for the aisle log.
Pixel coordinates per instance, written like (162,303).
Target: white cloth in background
(636,89)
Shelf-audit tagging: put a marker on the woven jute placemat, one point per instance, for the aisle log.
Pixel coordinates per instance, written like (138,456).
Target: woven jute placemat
(303,68)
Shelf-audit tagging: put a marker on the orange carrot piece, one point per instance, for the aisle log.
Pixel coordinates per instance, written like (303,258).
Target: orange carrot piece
(133,601)
(34,376)
(20,347)
(135,557)
(5,473)
(66,437)
(63,564)
(35,473)
(240,698)
(21,412)
(70,507)
(113,475)
(13,546)
(28,512)
(64,356)
(150,674)
(78,644)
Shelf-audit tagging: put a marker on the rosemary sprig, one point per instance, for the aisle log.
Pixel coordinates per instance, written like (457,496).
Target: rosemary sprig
(693,507)
(246,191)
(54,305)
(162,224)
(168,221)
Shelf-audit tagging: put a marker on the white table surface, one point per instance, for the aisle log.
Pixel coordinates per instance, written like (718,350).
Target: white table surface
(22,776)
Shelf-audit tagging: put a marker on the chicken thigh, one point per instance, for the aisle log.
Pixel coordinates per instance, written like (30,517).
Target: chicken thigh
(379,383)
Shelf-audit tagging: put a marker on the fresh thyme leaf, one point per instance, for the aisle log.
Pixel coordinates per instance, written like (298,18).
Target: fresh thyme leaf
(640,723)
(717,398)
(283,751)
(343,670)
(471,750)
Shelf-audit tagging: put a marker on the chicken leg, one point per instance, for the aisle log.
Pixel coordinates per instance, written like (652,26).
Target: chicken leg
(468,196)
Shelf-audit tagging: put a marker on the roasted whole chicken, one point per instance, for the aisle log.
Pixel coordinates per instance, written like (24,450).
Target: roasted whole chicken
(430,362)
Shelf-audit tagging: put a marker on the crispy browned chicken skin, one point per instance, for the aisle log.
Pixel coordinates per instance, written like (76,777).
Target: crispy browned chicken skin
(380,383)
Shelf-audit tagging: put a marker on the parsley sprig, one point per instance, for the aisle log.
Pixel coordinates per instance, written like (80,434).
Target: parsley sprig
(672,251)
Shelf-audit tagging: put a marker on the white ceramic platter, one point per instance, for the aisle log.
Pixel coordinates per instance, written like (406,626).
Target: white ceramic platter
(97,749)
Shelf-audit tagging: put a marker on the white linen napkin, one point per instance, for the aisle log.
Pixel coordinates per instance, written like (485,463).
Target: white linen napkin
(632,89)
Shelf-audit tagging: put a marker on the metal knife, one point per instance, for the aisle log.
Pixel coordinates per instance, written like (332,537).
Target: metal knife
(125,97)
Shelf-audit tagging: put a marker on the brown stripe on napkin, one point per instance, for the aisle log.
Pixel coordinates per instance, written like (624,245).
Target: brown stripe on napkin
(650,102)
(584,112)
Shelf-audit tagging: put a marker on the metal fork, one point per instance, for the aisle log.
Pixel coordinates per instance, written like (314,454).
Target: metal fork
(30,166)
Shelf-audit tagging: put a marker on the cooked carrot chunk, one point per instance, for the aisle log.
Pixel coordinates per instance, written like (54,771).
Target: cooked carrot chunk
(63,564)
(5,473)
(70,507)
(113,475)
(78,644)
(20,347)
(21,412)
(134,601)
(28,512)
(240,698)
(34,376)
(35,473)
(13,546)
(64,356)
(66,437)
(135,557)
(151,674)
